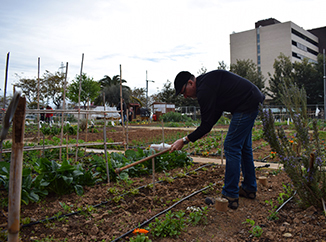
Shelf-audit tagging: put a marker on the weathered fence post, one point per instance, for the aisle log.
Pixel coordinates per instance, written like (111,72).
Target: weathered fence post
(16,166)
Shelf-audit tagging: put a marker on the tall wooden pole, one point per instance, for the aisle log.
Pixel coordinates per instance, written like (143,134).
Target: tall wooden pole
(80,81)
(16,167)
(5,90)
(63,108)
(38,100)
(105,147)
(324,84)
(121,109)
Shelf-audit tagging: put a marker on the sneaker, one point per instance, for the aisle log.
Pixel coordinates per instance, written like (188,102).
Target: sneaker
(246,194)
(233,203)
(209,201)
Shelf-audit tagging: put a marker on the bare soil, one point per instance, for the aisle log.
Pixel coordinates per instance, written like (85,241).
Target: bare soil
(111,218)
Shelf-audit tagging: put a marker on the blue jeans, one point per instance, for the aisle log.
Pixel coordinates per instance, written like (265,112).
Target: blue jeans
(238,154)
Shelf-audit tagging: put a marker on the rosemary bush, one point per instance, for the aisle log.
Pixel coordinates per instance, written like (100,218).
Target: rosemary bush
(300,155)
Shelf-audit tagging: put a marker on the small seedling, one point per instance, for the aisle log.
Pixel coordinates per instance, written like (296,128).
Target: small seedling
(256,231)
(140,238)
(66,207)
(273,213)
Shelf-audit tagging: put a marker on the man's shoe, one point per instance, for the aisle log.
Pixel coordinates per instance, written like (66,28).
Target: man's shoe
(246,194)
(233,203)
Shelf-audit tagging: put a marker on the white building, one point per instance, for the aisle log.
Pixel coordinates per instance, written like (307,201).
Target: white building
(270,37)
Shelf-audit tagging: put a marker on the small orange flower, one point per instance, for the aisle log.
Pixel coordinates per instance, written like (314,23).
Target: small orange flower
(291,141)
(140,231)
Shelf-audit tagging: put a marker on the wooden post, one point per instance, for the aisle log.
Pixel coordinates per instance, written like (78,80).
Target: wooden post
(5,90)
(163,133)
(222,148)
(38,100)
(105,147)
(16,167)
(63,108)
(121,109)
(80,81)
(153,168)
(87,119)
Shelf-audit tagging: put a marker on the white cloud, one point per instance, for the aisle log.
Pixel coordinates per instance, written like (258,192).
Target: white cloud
(162,37)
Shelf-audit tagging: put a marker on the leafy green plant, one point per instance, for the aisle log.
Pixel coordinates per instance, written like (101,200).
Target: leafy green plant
(64,178)
(256,231)
(283,196)
(171,226)
(66,207)
(32,189)
(273,213)
(140,238)
(197,215)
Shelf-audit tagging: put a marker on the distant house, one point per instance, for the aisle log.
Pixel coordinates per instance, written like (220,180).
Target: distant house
(112,114)
(159,108)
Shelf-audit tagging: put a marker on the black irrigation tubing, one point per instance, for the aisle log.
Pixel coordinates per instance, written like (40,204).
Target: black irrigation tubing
(295,192)
(162,212)
(169,208)
(97,205)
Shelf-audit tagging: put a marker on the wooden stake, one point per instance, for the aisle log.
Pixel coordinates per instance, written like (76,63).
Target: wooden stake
(222,147)
(80,81)
(5,91)
(163,133)
(105,147)
(38,100)
(63,108)
(153,170)
(121,109)
(16,167)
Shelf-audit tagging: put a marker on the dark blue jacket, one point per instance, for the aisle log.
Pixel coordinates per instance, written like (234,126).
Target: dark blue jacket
(219,91)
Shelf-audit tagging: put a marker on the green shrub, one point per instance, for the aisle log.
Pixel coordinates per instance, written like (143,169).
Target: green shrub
(174,117)
(300,154)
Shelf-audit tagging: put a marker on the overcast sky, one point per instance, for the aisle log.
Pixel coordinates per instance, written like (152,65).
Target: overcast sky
(160,37)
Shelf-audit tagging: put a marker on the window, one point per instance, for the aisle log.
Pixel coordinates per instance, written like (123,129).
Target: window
(304,48)
(302,36)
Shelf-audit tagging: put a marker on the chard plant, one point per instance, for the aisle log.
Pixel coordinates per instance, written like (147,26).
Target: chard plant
(301,155)
(172,225)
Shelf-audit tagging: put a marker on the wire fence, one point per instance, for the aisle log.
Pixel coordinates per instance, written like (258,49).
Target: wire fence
(314,111)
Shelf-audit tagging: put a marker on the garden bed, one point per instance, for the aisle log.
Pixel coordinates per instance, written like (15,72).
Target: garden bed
(106,212)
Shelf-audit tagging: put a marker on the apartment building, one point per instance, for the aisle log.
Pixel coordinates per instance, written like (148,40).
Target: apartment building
(270,38)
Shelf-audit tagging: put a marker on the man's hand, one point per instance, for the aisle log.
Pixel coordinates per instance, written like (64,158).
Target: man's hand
(177,145)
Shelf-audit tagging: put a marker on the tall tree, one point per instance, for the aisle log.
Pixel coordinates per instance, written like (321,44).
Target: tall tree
(202,70)
(139,95)
(29,88)
(305,76)
(106,83)
(222,65)
(167,95)
(89,89)
(53,87)
(249,70)
(112,94)
(282,75)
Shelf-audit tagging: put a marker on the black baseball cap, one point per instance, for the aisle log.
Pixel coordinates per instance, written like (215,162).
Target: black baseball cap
(180,80)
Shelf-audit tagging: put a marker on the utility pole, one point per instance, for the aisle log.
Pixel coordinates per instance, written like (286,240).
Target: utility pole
(147,90)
